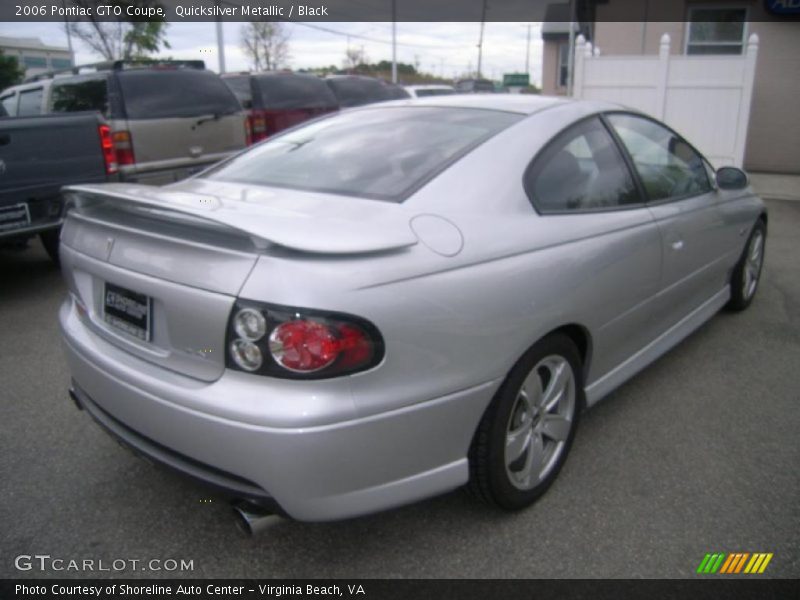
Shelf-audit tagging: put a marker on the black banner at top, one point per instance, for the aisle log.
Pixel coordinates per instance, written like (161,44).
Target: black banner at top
(176,11)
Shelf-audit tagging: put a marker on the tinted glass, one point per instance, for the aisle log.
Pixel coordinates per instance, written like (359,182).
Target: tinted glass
(35,62)
(158,94)
(10,104)
(240,86)
(355,91)
(582,169)
(290,91)
(60,63)
(382,153)
(667,165)
(75,96)
(30,102)
(717,25)
(434,92)
(395,92)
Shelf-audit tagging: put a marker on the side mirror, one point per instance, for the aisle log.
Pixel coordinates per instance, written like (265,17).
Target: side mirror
(731,178)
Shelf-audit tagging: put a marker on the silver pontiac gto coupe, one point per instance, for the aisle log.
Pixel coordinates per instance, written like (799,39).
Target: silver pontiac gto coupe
(389,303)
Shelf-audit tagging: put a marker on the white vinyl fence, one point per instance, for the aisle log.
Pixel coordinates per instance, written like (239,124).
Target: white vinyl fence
(704,98)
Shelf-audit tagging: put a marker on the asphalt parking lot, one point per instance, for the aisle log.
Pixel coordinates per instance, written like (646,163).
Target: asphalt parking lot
(699,453)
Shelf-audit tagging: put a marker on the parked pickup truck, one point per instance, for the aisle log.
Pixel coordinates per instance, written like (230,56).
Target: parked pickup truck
(40,154)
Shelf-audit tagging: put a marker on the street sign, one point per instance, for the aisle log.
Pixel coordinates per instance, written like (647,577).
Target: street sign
(516,80)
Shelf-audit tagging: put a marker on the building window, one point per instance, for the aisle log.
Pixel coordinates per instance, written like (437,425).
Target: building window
(562,74)
(34,62)
(716,30)
(60,63)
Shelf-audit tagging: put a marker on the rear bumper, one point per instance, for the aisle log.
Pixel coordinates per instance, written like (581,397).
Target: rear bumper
(319,472)
(33,229)
(168,171)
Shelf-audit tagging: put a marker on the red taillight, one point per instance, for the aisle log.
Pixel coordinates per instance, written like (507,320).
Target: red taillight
(296,343)
(306,346)
(248,130)
(258,125)
(123,145)
(107,146)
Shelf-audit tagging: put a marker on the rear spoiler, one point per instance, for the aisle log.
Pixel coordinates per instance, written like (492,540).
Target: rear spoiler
(263,224)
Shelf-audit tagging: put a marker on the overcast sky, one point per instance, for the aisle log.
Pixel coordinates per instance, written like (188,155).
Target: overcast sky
(448,49)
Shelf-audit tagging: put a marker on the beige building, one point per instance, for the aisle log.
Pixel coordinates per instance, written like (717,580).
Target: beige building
(34,56)
(700,27)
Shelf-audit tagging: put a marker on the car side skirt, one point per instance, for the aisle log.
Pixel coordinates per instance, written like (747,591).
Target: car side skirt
(655,349)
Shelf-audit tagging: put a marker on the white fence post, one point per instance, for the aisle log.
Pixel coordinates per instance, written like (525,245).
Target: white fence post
(747,96)
(580,57)
(663,75)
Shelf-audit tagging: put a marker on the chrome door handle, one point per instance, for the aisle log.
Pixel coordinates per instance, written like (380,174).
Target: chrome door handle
(677,245)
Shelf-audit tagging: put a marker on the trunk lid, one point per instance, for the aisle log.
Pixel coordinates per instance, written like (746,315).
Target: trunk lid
(186,251)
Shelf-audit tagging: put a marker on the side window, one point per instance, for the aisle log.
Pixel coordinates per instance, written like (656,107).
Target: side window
(10,104)
(667,165)
(75,96)
(30,102)
(582,169)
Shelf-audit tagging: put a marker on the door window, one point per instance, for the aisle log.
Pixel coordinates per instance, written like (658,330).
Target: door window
(10,104)
(582,169)
(668,166)
(30,102)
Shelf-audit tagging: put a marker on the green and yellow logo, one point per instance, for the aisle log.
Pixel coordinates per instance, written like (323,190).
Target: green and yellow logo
(735,562)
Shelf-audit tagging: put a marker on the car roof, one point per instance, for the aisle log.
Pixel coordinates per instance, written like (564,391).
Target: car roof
(524,104)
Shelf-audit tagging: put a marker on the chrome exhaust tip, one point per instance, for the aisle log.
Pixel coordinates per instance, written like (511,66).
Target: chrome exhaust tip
(252,519)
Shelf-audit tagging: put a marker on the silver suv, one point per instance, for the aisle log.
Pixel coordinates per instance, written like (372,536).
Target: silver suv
(169,119)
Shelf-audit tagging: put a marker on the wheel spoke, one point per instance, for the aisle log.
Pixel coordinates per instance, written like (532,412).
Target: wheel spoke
(517,442)
(556,427)
(755,250)
(556,386)
(532,389)
(533,462)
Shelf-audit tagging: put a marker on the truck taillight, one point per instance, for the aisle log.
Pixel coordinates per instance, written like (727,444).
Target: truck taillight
(258,121)
(123,145)
(248,130)
(107,145)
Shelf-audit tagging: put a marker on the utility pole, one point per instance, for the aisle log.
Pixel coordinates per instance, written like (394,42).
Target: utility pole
(480,40)
(394,41)
(528,52)
(69,35)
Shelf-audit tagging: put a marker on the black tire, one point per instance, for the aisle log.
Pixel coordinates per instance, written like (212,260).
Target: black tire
(50,241)
(489,477)
(739,298)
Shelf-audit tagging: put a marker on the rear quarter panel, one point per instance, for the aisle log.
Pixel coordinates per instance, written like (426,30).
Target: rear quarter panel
(453,322)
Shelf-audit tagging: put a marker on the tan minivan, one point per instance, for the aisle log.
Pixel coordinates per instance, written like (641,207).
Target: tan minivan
(169,119)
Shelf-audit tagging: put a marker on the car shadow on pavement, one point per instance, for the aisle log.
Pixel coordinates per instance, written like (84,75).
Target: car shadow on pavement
(26,271)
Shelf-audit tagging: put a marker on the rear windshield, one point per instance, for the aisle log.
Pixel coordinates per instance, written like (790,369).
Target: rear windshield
(383,153)
(159,94)
(356,91)
(76,96)
(288,91)
(396,92)
(240,86)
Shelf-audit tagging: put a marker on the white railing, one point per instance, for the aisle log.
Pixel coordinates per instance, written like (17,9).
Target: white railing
(705,98)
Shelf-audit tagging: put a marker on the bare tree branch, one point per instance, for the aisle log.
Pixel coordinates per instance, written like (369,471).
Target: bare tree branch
(266,44)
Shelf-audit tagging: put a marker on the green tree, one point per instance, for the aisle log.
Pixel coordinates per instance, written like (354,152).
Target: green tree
(10,73)
(120,40)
